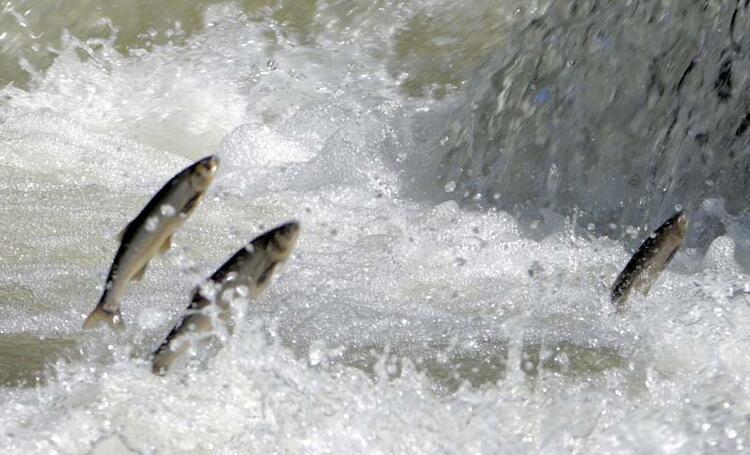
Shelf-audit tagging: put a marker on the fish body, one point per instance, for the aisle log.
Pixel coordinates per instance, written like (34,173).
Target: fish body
(149,234)
(650,259)
(246,273)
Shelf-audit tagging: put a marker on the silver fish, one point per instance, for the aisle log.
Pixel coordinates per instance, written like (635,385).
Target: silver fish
(248,272)
(149,234)
(652,257)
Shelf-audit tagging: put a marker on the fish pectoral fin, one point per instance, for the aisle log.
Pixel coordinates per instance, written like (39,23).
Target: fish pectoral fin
(139,274)
(101,315)
(166,245)
(265,277)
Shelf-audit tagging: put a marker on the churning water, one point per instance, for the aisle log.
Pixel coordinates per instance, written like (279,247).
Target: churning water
(470,178)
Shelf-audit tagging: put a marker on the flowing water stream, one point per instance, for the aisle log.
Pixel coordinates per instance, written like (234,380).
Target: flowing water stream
(470,178)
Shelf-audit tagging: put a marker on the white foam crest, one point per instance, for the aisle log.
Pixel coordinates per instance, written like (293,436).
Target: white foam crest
(259,397)
(262,401)
(179,100)
(494,341)
(42,142)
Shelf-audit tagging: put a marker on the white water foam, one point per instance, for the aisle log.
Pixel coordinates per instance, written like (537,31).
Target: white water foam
(398,326)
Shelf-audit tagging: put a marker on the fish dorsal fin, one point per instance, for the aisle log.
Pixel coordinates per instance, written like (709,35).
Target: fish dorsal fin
(165,246)
(139,274)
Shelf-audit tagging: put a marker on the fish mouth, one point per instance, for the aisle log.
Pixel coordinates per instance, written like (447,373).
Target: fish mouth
(290,230)
(202,173)
(211,163)
(285,236)
(682,219)
(207,165)
(679,219)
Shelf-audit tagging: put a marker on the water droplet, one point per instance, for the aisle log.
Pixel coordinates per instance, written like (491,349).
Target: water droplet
(450,186)
(151,223)
(317,353)
(167,210)
(208,290)
(243,291)
(227,295)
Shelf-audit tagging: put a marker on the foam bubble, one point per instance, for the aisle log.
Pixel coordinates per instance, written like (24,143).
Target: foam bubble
(399,324)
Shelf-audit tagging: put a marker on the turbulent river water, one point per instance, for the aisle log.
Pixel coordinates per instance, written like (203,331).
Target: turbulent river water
(470,177)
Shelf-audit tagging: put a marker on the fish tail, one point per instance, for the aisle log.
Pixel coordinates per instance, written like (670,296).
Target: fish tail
(100,314)
(167,353)
(619,295)
(179,341)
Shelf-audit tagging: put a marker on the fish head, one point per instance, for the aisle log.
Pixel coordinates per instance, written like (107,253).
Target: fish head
(284,239)
(672,232)
(202,173)
(679,223)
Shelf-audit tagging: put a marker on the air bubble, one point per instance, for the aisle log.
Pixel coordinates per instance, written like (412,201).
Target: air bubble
(243,291)
(631,232)
(168,210)
(152,223)
(317,353)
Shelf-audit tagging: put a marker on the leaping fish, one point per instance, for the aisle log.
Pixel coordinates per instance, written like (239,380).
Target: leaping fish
(248,272)
(652,257)
(150,233)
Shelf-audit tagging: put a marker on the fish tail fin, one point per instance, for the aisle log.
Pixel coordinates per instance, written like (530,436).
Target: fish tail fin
(167,353)
(619,295)
(100,315)
(160,363)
